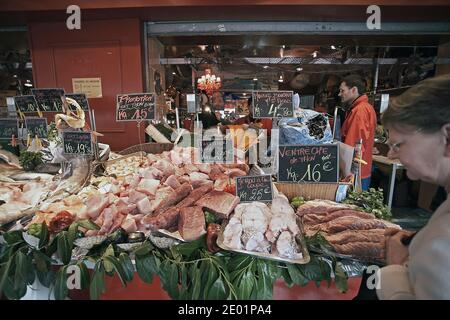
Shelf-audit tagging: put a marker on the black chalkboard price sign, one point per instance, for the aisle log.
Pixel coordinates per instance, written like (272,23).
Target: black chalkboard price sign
(135,106)
(49,100)
(308,163)
(37,127)
(254,188)
(272,104)
(77,142)
(26,104)
(8,128)
(81,99)
(217,151)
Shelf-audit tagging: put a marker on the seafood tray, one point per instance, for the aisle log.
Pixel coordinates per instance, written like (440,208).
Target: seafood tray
(299,239)
(255,170)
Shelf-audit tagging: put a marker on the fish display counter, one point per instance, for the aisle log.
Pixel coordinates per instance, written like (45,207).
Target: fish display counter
(169,218)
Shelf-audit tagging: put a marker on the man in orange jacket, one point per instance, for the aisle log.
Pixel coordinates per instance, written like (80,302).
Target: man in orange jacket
(360,122)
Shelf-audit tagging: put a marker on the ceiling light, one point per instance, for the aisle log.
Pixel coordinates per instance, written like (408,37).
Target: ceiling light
(333,47)
(209,82)
(265,67)
(283,46)
(255,79)
(299,69)
(314,54)
(28,84)
(281,79)
(174,73)
(244,94)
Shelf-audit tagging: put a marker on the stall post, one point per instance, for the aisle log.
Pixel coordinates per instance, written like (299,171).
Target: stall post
(94,128)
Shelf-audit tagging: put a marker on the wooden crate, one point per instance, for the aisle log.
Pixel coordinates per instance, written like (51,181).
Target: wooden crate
(309,191)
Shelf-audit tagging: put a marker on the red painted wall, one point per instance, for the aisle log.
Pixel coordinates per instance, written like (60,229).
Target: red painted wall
(106,49)
(139,290)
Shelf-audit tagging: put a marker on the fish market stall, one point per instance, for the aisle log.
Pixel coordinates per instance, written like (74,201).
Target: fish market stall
(169,217)
(205,226)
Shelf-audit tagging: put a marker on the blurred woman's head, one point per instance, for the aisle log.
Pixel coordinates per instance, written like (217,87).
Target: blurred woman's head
(418,122)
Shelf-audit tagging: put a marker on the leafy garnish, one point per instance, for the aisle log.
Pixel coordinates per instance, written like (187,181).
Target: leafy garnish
(371,201)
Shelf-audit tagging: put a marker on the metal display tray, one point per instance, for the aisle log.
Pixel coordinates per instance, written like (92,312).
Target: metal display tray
(299,239)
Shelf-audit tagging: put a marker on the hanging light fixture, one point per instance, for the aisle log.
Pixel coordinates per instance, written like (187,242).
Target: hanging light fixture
(209,82)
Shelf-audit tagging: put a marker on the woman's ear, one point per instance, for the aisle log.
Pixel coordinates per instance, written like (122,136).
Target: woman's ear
(446,131)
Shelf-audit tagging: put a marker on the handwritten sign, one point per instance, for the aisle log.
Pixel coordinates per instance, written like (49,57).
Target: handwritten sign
(26,104)
(8,128)
(37,127)
(77,142)
(49,100)
(272,104)
(92,87)
(254,188)
(81,99)
(217,151)
(308,163)
(135,106)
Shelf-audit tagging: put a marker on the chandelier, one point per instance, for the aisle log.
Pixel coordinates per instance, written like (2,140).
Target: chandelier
(209,82)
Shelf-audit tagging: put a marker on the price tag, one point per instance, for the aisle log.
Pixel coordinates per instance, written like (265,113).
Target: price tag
(308,163)
(254,188)
(135,107)
(81,99)
(272,104)
(26,104)
(77,142)
(49,100)
(8,128)
(37,127)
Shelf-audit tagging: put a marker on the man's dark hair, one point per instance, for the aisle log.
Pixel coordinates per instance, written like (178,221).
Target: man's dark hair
(354,80)
(425,106)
